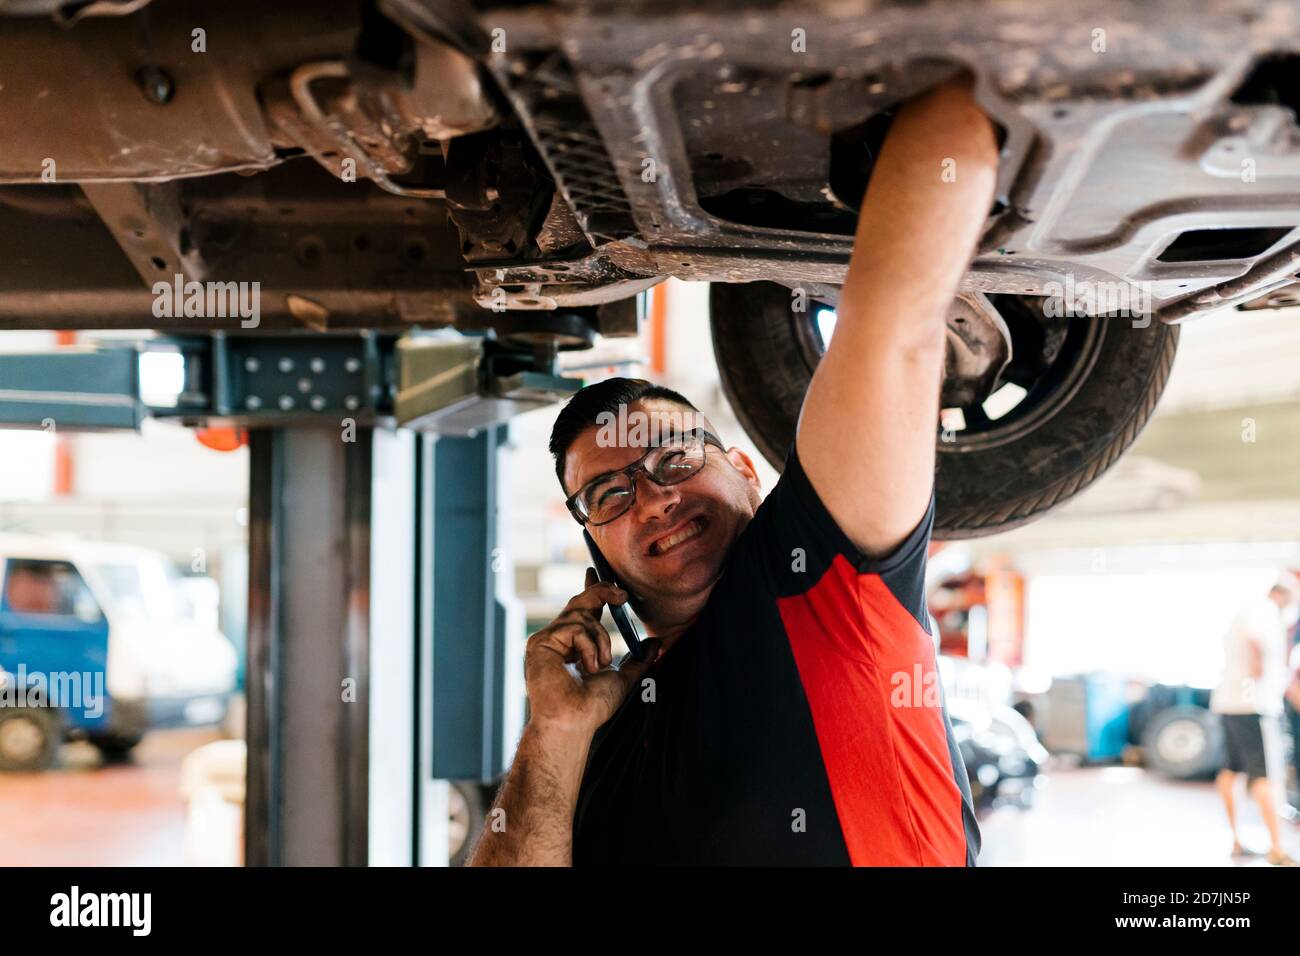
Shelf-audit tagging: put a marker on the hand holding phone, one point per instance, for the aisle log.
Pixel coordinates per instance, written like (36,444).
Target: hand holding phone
(626,626)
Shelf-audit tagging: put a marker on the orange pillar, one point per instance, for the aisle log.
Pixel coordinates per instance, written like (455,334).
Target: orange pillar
(1004,594)
(658,328)
(64,472)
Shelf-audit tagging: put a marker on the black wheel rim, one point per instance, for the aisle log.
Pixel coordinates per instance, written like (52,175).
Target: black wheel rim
(1049,373)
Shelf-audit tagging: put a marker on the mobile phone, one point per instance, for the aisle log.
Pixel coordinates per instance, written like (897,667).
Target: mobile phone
(626,626)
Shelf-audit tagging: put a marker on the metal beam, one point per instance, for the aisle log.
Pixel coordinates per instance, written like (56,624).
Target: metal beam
(72,387)
(308,647)
(149,224)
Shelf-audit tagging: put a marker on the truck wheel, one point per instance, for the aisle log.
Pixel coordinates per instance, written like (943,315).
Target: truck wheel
(116,747)
(1073,397)
(466,817)
(1184,742)
(29,738)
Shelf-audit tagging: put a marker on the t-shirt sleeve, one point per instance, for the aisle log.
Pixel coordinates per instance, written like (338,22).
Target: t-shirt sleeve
(796,542)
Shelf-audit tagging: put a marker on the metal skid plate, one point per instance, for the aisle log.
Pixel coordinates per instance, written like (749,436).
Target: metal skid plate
(728,128)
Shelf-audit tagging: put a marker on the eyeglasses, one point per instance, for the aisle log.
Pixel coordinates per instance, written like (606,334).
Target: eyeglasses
(608,496)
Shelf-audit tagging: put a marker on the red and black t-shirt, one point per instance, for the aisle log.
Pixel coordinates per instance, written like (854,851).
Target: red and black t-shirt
(798,721)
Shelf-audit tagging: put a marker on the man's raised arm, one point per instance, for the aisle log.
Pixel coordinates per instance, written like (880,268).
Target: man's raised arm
(866,434)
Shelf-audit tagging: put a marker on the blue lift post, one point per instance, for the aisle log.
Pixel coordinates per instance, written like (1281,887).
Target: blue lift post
(469,620)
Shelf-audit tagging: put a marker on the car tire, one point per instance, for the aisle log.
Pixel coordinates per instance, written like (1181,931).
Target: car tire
(1101,379)
(1184,743)
(29,738)
(465,819)
(116,748)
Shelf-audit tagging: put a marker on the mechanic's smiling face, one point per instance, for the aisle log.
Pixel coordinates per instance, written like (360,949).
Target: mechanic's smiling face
(669,546)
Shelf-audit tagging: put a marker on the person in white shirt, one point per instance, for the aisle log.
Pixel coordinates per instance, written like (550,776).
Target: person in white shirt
(1293,718)
(1249,700)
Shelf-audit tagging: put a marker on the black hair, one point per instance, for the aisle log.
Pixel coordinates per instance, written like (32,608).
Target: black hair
(584,408)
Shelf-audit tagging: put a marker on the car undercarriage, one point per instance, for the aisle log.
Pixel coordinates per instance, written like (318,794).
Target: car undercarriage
(531,168)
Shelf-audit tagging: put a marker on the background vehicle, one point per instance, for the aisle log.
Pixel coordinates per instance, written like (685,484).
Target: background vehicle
(1180,737)
(531,168)
(98,642)
(1003,758)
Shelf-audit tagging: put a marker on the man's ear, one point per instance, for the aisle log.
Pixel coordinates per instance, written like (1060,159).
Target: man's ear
(745,465)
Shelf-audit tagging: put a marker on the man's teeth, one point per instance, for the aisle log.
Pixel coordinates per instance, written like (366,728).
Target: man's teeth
(690,531)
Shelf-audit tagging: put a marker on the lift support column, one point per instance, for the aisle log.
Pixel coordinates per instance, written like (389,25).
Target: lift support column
(308,647)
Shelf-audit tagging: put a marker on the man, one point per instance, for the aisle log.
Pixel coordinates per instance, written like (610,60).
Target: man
(1248,699)
(1292,707)
(788,710)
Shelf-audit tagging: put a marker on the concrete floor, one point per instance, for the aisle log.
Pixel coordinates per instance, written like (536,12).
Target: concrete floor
(86,813)
(1124,816)
(89,814)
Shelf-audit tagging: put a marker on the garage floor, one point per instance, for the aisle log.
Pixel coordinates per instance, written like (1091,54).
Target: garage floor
(1124,816)
(89,814)
(132,815)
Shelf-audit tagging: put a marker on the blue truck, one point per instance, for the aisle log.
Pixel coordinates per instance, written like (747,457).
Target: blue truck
(100,642)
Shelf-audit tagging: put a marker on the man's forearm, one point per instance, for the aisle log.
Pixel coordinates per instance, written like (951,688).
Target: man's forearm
(531,821)
(927,201)
(866,435)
